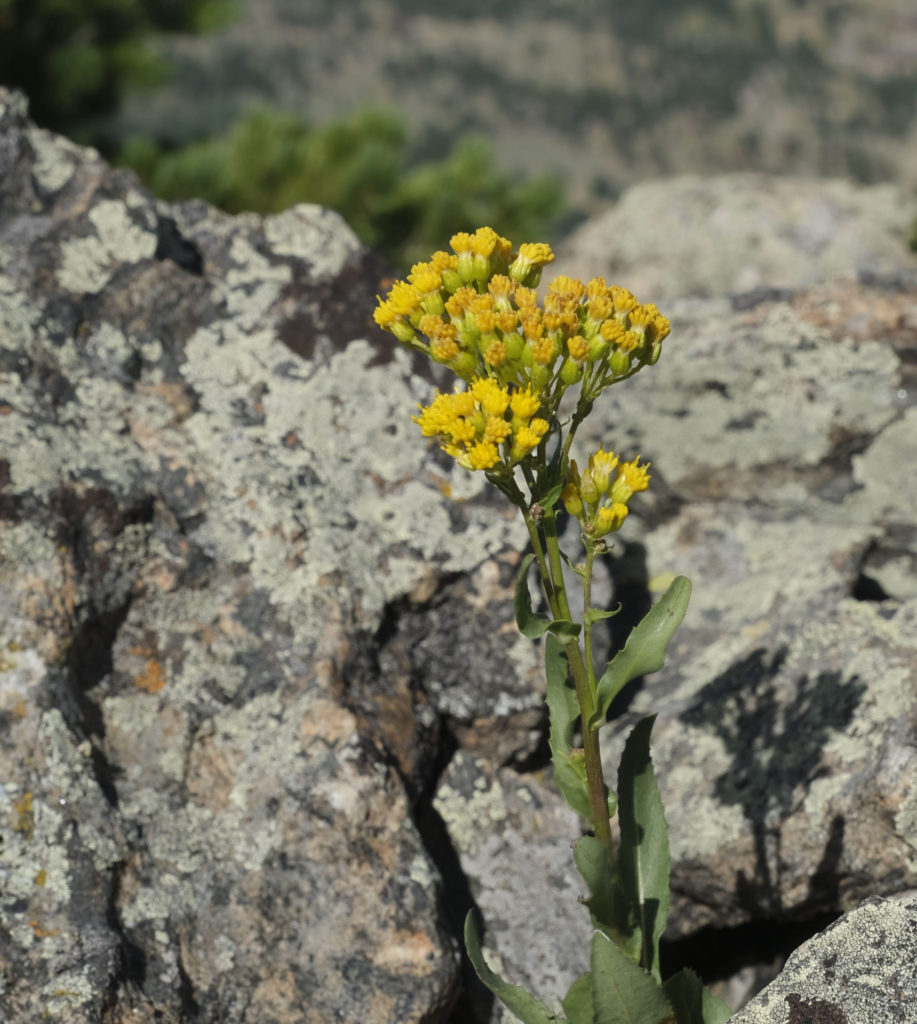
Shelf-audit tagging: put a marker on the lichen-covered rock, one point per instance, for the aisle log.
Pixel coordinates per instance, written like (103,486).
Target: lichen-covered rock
(208,501)
(740,233)
(859,969)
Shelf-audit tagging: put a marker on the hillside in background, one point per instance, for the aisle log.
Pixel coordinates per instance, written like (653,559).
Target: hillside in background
(600,94)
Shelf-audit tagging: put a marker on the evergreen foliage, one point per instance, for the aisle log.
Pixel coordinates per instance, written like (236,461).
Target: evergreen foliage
(360,166)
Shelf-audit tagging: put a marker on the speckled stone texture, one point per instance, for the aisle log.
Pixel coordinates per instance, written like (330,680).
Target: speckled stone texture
(741,233)
(782,429)
(211,499)
(260,689)
(861,969)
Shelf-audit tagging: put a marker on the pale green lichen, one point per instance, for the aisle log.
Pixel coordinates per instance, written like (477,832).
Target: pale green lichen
(471,817)
(87,264)
(55,159)
(67,990)
(315,234)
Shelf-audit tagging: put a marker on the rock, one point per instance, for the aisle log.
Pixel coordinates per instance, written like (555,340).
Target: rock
(781,431)
(740,233)
(859,969)
(211,495)
(513,835)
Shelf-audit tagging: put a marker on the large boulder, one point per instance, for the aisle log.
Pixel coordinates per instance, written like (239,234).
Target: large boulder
(859,969)
(740,232)
(211,499)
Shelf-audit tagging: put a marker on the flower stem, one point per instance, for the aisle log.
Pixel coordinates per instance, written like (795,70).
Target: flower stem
(583,681)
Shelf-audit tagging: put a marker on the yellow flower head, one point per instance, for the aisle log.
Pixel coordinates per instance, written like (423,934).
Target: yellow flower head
(631,478)
(492,398)
(472,426)
(610,518)
(525,404)
(403,298)
(475,310)
(526,267)
(601,466)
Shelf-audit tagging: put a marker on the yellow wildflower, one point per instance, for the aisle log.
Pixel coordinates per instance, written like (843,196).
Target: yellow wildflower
(495,353)
(403,298)
(526,267)
(490,396)
(610,518)
(525,404)
(631,478)
(483,455)
(578,347)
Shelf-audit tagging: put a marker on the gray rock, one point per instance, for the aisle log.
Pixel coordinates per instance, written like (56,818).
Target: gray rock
(781,430)
(208,500)
(740,233)
(859,969)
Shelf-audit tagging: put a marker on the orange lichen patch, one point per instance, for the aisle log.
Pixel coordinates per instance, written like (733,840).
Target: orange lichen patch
(292,440)
(151,679)
(327,720)
(40,878)
(407,950)
(42,933)
(18,709)
(212,774)
(25,816)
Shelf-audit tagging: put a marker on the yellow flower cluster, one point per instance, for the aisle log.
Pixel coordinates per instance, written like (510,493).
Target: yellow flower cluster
(485,425)
(599,499)
(476,311)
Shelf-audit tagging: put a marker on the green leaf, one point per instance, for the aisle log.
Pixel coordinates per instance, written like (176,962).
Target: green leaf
(549,499)
(526,1007)
(563,711)
(530,624)
(595,614)
(609,906)
(593,863)
(577,1003)
(693,1004)
(622,992)
(644,853)
(645,648)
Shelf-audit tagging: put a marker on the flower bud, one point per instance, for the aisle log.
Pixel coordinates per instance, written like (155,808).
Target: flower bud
(571,371)
(404,332)
(451,281)
(619,362)
(571,498)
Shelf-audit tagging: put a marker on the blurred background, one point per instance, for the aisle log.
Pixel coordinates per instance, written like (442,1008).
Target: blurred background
(416,120)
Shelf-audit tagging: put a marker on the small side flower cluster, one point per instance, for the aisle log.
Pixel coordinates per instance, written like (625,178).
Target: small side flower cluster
(476,311)
(598,499)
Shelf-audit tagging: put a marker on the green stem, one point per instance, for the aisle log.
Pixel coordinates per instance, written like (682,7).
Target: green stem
(544,572)
(583,681)
(587,607)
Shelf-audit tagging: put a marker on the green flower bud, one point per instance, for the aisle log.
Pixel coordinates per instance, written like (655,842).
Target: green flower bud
(619,362)
(571,371)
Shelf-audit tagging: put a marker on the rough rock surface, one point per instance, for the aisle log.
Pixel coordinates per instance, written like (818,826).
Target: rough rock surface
(246,616)
(211,501)
(736,233)
(782,428)
(859,969)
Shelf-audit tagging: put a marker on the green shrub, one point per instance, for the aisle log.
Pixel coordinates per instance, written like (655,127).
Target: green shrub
(360,167)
